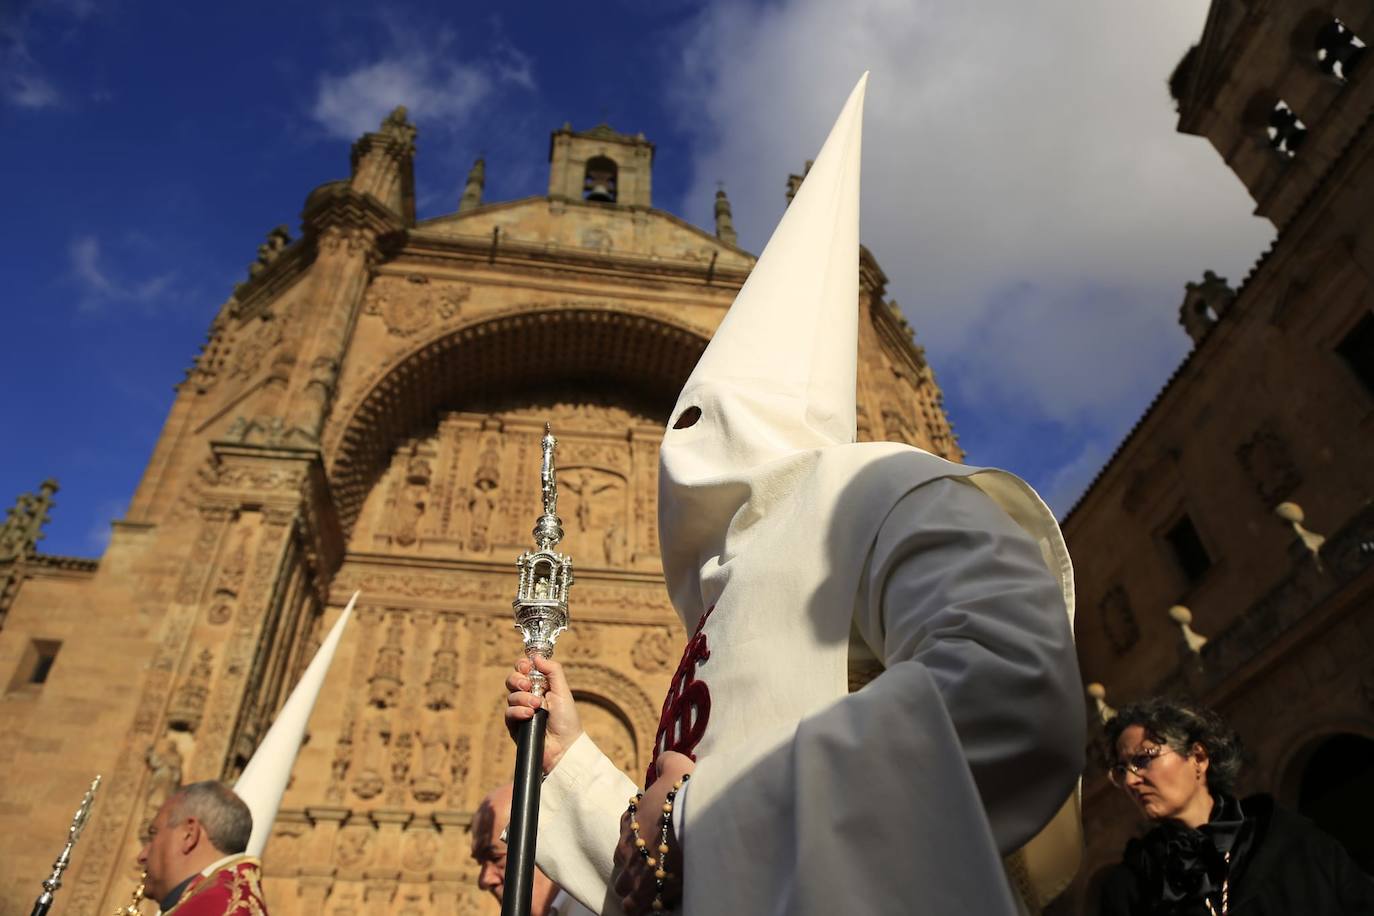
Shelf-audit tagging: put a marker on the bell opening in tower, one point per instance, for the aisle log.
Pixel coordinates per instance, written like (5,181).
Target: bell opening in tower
(599,183)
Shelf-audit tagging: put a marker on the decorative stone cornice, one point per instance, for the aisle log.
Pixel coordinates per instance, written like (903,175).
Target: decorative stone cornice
(286,483)
(359,218)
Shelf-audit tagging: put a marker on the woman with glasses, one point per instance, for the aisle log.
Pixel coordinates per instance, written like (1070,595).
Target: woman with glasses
(1208,852)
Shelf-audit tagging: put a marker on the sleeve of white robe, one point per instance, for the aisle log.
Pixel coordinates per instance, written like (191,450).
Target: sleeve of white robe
(579,824)
(903,797)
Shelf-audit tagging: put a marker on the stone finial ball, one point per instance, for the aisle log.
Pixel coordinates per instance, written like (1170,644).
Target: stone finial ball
(1289,512)
(1180,614)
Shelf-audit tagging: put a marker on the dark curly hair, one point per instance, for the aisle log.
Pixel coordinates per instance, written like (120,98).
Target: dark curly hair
(1180,724)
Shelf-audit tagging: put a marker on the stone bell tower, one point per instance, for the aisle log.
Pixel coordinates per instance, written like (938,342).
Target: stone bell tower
(601,165)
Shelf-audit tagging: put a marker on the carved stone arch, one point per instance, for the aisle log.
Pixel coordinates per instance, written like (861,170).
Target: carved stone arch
(617,690)
(1301,744)
(1329,779)
(592,683)
(571,343)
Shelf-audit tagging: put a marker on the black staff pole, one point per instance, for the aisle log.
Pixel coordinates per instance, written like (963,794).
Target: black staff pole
(541,616)
(522,834)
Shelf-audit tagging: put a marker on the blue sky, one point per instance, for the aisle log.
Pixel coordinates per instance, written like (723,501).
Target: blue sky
(1024,188)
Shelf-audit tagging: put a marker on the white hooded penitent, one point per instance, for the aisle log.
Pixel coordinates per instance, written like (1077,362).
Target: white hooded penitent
(263,781)
(770,517)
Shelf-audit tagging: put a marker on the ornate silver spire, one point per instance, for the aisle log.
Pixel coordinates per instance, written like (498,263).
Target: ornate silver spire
(541,601)
(54,881)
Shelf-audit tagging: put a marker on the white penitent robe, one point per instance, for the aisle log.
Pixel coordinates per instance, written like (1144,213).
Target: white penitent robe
(900,798)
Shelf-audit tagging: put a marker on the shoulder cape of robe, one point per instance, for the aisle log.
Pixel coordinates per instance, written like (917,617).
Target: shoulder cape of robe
(234,890)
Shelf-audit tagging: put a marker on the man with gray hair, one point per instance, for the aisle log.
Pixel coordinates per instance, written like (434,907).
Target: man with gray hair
(194,857)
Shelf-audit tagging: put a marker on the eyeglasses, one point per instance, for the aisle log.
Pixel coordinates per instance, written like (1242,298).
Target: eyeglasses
(1136,763)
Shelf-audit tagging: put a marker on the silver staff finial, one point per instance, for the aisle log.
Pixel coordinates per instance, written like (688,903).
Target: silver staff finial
(548,531)
(541,603)
(54,881)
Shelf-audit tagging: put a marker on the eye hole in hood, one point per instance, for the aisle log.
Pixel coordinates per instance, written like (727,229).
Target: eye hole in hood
(688,417)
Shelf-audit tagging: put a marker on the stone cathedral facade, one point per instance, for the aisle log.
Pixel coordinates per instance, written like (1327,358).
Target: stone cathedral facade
(366,415)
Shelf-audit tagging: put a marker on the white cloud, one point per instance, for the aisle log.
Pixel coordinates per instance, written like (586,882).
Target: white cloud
(98,288)
(23,79)
(1024,185)
(423,73)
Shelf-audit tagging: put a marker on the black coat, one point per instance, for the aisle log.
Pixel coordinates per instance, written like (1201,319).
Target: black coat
(1282,866)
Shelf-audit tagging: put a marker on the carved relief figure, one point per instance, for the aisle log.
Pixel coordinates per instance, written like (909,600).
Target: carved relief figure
(369,781)
(442,688)
(485,483)
(164,766)
(460,761)
(413,499)
(188,703)
(428,783)
(343,759)
(384,687)
(402,746)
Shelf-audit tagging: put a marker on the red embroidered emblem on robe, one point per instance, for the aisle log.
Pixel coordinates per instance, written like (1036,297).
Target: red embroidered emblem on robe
(687,707)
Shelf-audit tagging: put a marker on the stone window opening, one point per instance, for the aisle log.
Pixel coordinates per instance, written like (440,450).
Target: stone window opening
(1188,550)
(1357,350)
(1338,50)
(1285,130)
(599,184)
(35,665)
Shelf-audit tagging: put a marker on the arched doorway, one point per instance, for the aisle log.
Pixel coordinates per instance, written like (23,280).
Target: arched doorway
(1335,789)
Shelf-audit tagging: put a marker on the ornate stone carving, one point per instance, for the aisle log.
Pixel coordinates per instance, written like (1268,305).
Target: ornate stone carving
(164,774)
(413,500)
(406,315)
(485,485)
(441,690)
(278,240)
(588,487)
(253,342)
(460,761)
(188,704)
(23,527)
(351,240)
(355,846)
(1118,620)
(1269,465)
(582,642)
(654,651)
(402,748)
(384,686)
(428,783)
(421,846)
(368,779)
(413,307)
(343,759)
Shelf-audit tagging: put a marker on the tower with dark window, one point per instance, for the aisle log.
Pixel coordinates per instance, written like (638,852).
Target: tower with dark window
(601,165)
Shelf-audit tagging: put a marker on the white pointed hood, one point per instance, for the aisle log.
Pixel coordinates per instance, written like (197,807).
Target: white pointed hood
(264,779)
(779,376)
(769,510)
